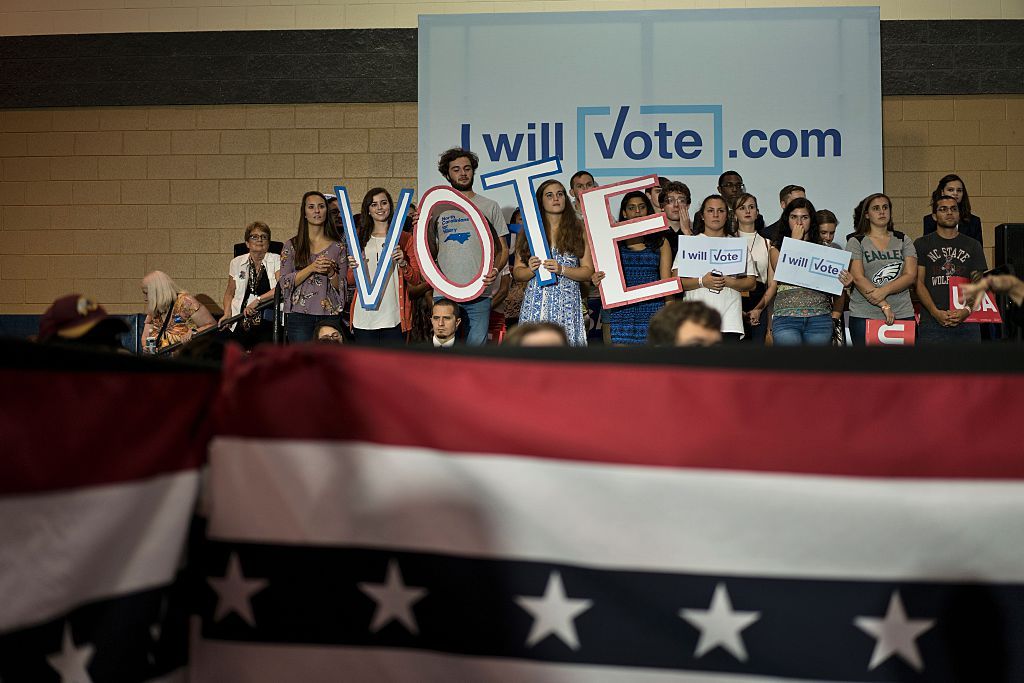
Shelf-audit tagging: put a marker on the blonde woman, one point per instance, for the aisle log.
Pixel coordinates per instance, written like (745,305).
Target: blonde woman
(172,314)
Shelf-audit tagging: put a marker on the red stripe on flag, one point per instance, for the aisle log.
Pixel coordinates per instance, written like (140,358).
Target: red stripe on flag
(873,425)
(67,430)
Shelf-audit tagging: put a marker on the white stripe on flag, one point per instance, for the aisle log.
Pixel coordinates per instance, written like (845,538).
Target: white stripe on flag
(60,550)
(615,516)
(215,661)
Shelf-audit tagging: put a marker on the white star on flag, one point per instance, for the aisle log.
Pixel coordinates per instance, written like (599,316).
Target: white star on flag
(234,592)
(554,613)
(394,600)
(72,662)
(720,625)
(895,634)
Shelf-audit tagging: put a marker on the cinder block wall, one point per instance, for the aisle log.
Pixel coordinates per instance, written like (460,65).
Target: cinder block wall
(93,199)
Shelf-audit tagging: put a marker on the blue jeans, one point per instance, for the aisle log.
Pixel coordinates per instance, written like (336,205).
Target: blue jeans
(859,328)
(792,331)
(476,318)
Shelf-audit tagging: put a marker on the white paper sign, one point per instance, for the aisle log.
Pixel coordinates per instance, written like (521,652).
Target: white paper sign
(700,254)
(814,266)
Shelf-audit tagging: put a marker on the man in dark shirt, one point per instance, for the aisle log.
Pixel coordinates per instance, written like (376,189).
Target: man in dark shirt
(786,195)
(943,254)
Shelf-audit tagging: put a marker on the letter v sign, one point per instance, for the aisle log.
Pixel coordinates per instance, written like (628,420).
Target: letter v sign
(371,291)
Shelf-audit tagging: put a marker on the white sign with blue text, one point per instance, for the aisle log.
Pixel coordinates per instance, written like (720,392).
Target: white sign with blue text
(700,254)
(810,265)
(624,94)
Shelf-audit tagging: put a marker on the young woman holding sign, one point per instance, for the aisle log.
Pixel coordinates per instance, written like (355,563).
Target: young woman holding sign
(561,303)
(884,267)
(644,259)
(393,318)
(801,315)
(722,293)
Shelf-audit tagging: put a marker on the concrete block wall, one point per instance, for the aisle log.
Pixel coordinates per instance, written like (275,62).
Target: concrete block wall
(91,199)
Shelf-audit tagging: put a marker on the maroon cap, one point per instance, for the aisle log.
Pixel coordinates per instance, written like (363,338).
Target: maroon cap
(72,316)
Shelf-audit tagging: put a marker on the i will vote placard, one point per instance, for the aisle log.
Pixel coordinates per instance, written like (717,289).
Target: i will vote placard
(700,254)
(811,265)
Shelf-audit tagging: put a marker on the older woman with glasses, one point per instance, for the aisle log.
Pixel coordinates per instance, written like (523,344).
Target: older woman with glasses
(251,280)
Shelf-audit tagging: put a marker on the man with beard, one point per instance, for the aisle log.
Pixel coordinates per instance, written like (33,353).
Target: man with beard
(943,254)
(456,245)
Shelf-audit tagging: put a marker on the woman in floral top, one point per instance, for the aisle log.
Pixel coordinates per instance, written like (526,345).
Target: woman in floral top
(172,314)
(314,267)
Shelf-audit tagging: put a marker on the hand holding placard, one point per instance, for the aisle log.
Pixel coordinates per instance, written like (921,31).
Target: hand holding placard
(813,266)
(700,254)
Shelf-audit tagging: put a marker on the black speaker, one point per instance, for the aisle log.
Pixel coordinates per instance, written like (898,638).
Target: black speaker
(1010,247)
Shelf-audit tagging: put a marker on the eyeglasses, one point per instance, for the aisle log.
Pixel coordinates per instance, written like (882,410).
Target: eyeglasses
(732,186)
(674,200)
(332,337)
(947,209)
(257,237)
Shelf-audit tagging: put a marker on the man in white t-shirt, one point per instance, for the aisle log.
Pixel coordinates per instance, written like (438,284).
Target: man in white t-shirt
(456,245)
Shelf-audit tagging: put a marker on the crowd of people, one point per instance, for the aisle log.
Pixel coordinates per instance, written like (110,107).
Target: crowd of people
(321,300)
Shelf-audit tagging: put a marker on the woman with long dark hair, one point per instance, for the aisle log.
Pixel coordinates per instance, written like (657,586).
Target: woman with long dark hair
(560,303)
(801,315)
(884,267)
(721,292)
(313,270)
(392,319)
(644,259)
(745,214)
(953,186)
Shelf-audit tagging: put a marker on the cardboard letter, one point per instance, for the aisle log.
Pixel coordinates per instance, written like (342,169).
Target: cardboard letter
(602,236)
(900,333)
(443,194)
(521,179)
(371,291)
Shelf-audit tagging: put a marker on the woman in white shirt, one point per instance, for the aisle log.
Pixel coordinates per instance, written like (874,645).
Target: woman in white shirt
(720,292)
(251,281)
(392,319)
(744,217)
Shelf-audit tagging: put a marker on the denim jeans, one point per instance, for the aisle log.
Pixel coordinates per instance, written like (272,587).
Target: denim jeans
(792,331)
(476,317)
(299,326)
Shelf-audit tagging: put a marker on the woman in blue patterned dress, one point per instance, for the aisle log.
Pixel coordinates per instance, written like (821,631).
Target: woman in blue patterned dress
(644,259)
(570,262)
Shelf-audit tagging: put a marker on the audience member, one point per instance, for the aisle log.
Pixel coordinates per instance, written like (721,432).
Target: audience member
(675,202)
(251,281)
(541,333)
(391,320)
(581,181)
(827,226)
(718,291)
(730,186)
(745,216)
(644,259)
(953,186)
(570,263)
(654,193)
(941,255)
(884,267)
(786,195)
(328,331)
(172,314)
(457,245)
(685,323)
(444,319)
(801,316)
(75,319)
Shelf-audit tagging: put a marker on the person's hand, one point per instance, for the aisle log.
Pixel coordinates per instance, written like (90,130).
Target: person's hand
(713,282)
(754,316)
(322,265)
(845,278)
(684,219)
(398,256)
(533,264)
(491,277)
(250,308)
(890,317)
(958,315)
(875,296)
(352,262)
(552,266)
(596,278)
(413,213)
(223,323)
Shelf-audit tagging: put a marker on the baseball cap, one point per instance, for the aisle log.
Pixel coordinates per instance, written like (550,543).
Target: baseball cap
(73,316)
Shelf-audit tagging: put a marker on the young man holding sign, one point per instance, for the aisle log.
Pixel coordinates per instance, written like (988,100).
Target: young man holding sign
(457,244)
(941,255)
